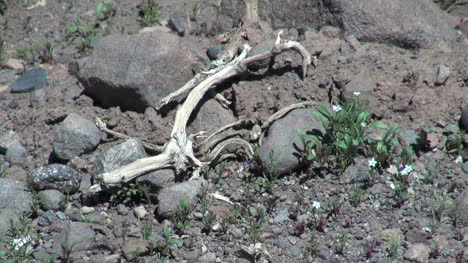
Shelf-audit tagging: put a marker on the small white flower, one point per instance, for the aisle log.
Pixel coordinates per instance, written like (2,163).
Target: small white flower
(20,242)
(372,162)
(336,108)
(363,124)
(316,204)
(407,170)
(458,160)
(357,93)
(392,186)
(240,170)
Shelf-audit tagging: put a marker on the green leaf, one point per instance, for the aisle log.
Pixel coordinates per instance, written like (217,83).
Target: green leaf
(341,145)
(378,124)
(322,110)
(99,8)
(174,241)
(322,119)
(391,132)
(362,117)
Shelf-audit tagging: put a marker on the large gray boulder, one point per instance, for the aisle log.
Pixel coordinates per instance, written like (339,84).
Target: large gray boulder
(409,24)
(283,144)
(136,71)
(74,136)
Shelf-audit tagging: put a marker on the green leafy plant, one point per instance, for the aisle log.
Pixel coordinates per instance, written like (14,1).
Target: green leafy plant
(3,170)
(453,212)
(65,201)
(439,206)
(161,245)
(270,172)
(44,50)
(180,218)
(345,128)
(356,196)
(219,3)
(384,150)
(3,7)
(146,228)
(430,174)
(454,143)
(135,256)
(28,54)
(20,246)
(392,246)
(3,56)
(49,259)
(255,223)
(196,10)
(314,152)
(149,14)
(125,193)
(340,244)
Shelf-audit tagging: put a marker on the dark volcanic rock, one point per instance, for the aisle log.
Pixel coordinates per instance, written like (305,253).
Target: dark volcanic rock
(56,176)
(31,80)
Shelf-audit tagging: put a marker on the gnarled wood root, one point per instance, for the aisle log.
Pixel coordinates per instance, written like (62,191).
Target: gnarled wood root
(178,152)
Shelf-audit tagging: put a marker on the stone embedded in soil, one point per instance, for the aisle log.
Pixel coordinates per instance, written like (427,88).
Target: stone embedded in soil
(7,139)
(16,153)
(140,211)
(119,155)
(56,176)
(209,116)
(15,195)
(157,180)
(177,23)
(464,118)
(213,52)
(132,246)
(38,98)
(263,46)
(46,219)
(357,172)
(417,252)
(75,136)
(137,71)
(282,145)
(31,80)
(282,216)
(443,73)
(361,83)
(169,198)
(6,216)
(77,235)
(209,257)
(408,137)
(50,199)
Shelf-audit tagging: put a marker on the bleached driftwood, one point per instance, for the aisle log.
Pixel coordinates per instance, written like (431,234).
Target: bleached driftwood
(178,152)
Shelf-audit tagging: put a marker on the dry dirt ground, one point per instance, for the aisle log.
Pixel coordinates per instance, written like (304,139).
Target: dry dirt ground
(305,216)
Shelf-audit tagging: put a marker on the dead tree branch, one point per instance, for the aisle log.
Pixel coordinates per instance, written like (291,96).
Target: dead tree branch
(178,152)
